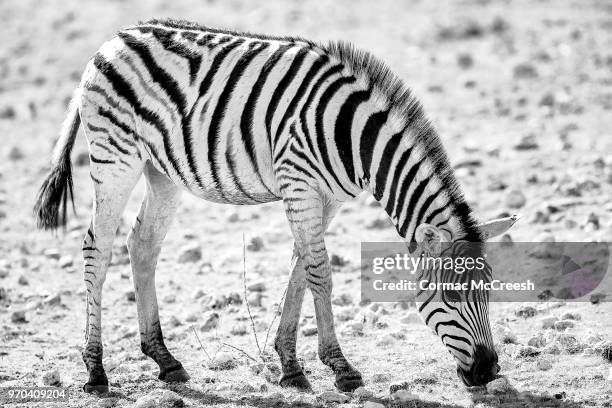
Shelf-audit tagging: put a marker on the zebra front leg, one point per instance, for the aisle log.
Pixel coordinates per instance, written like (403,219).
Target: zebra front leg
(144,244)
(286,335)
(307,217)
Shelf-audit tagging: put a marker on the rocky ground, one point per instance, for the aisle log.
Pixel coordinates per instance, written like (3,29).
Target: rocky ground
(521,92)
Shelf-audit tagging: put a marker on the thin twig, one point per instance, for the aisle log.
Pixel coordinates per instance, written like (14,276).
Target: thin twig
(240,350)
(201,346)
(245,295)
(278,311)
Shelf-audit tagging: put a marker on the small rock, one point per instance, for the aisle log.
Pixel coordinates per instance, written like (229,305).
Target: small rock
(211,320)
(82,159)
(256,244)
(333,396)
(548,322)
(66,261)
(307,353)
(380,377)
(233,217)
(544,364)
(505,335)
(15,154)
(527,351)
(593,221)
(53,300)
(515,199)
(223,361)
(337,260)
(18,316)
(170,399)
(525,71)
(130,296)
(190,253)
(527,142)
(597,298)
(569,342)
(551,349)
(411,318)
(257,286)
(404,396)
(564,324)
(526,311)
(498,386)
(385,340)
(255,299)
(52,253)
(465,60)
(372,404)
(23,280)
(571,316)
(343,300)
(52,378)
(379,223)
(309,330)
(239,330)
(362,394)
(538,341)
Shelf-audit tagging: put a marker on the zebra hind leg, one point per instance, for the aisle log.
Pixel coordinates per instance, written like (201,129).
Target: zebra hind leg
(144,244)
(113,183)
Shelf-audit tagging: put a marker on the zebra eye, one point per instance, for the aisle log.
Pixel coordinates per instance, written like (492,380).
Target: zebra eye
(452,296)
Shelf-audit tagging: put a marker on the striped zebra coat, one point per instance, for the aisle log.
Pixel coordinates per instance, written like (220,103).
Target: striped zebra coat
(239,118)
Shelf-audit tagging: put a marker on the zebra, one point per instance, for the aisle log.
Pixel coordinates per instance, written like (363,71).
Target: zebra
(241,118)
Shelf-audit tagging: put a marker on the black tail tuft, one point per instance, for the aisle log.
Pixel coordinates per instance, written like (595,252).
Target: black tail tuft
(51,203)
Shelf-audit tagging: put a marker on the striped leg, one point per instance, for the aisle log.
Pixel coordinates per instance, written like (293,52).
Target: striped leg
(144,244)
(306,217)
(286,335)
(111,194)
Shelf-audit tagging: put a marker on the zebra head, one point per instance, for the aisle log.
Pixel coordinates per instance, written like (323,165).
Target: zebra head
(459,316)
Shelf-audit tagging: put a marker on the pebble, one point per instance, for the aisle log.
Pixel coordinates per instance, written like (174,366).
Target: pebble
(53,300)
(130,296)
(160,399)
(257,287)
(526,311)
(544,365)
(525,70)
(190,253)
(527,142)
(255,299)
(338,260)
(504,334)
(571,316)
(309,330)
(404,396)
(498,386)
(52,253)
(18,316)
(239,330)
(548,322)
(362,394)
(515,199)
(551,349)
(333,396)
(380,377)
(82,159)
(308,353)
(372,404)
(256,244)
(211,320)
(52,378)
(537,341)
(385,340)
(66,261)
(597,298)
(527,351)
(411,318)
(569,342)
(15,154)
(465,60)
(342,300)
(564,324)
(23,280)
(379,223)
(223,361)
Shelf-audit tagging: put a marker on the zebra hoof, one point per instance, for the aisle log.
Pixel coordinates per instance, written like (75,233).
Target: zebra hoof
(296,380)
(95,388)
(176,375)
(348,381)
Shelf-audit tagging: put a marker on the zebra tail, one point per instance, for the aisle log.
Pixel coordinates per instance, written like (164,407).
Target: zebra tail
(52,199)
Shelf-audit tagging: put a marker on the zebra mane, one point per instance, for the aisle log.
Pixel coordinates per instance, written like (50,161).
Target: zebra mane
(408,110)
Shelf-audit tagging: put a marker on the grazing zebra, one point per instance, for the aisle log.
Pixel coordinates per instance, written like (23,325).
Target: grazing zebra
(239,118)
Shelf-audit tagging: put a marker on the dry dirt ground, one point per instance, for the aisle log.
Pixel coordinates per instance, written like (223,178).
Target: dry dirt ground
(521,92)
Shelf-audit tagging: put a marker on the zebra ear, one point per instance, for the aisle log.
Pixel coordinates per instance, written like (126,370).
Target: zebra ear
(497,227)
(429,238)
